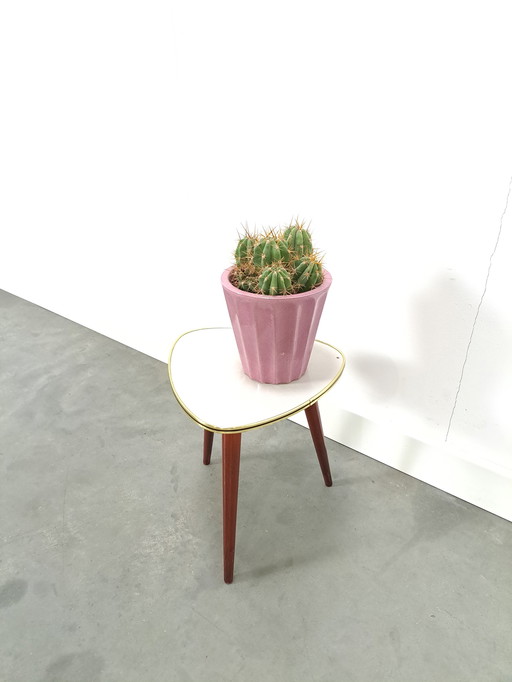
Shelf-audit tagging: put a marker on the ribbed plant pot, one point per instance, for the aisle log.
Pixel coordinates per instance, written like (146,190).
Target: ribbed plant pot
(275,334)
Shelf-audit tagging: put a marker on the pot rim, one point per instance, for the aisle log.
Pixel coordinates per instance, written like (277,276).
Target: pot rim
(326,283)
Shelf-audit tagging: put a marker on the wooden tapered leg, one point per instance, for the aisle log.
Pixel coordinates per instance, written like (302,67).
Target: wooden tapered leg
(207,446)
(231,443)
(317,433)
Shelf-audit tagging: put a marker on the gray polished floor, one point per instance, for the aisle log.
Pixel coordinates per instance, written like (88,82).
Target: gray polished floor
(110,532)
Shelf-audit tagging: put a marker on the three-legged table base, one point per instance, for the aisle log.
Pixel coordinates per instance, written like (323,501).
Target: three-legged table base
(231,444)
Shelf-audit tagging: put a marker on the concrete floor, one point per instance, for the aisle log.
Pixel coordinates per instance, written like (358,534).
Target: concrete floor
(110,532)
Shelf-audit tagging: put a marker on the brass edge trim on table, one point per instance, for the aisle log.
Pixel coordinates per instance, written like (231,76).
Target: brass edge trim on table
(256,425)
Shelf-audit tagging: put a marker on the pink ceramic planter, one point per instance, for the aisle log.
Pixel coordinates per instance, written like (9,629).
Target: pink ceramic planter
(275,334)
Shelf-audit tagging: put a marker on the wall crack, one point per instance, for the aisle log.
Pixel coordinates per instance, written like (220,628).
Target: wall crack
(478,312)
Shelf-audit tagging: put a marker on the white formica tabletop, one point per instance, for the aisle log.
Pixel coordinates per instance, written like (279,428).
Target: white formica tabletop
(208,381)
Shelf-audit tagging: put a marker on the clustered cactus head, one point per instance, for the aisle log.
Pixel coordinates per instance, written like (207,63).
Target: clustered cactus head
(277,262)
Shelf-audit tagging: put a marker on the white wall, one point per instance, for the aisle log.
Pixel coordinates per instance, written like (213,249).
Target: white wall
(137,137)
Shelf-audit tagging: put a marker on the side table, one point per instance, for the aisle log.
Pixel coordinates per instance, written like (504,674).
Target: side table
(208,382)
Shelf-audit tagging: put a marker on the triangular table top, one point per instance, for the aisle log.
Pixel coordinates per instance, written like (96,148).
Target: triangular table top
(208,381)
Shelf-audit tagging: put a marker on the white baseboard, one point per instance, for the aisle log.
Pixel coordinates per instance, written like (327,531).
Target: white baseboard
(481,484)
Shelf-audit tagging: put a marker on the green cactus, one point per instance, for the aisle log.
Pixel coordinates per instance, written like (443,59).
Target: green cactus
(266,252)
(248,284)
(245,276)
(286,255)
(275,280)
(244,249)
(308,274)
(277,262)
(298,239)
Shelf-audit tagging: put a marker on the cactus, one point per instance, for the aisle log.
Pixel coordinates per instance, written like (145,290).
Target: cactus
(308,273)
(245,276)
(244,249)
(266,252)
(275,281)
(248,284)
(298,239)
(277,262)
(285,252)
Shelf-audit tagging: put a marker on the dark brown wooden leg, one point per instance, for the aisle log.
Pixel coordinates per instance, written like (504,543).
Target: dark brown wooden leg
(231,443)
(207,446)
(317,433)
